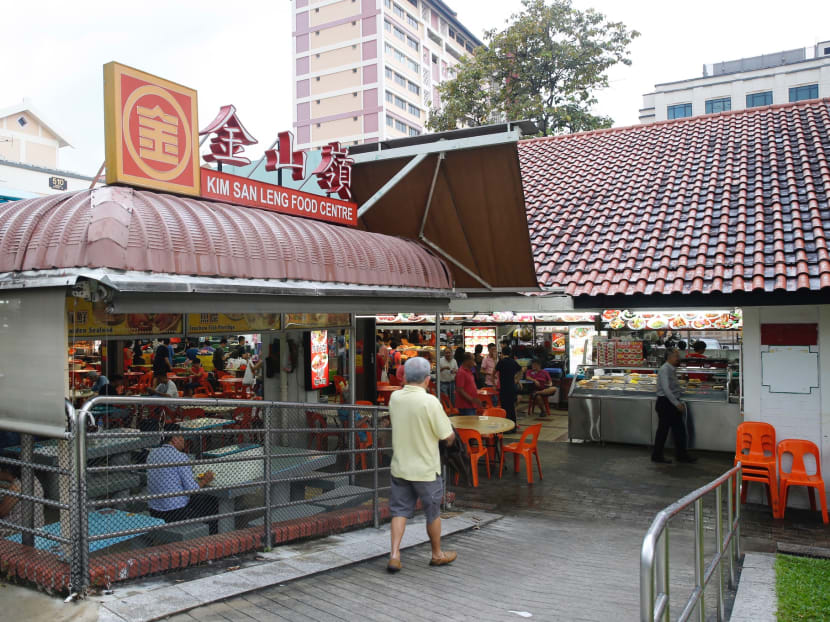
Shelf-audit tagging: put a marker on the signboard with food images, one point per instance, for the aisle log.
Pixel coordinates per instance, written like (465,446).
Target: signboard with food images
(618,319)
(319,359)
(222,323)
(90,319)
(506,317)
(316,320)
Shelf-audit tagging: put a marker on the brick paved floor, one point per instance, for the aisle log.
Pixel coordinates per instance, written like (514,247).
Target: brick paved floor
(567,549)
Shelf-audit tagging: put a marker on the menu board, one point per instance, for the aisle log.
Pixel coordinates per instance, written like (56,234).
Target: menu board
(506,317)
(90,319)
(319,359)
(316,320)
(617,319)
(479,336)
(580,341)
(221,323)
(619,353)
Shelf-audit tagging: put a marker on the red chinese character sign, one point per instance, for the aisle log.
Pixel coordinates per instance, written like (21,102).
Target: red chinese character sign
(284,156)
(151,126)
(334,174)
(229,139)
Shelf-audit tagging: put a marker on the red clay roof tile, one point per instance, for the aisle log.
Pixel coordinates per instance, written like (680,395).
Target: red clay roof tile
(733,202)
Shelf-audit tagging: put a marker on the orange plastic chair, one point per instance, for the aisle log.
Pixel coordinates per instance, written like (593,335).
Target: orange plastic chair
(755,450)
(321,436)
(526,447)
(480,451)
(798,473)
(447,404)
(486,396)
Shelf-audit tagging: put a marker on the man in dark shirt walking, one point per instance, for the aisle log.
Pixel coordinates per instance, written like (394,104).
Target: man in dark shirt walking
(219,355)
(508,371)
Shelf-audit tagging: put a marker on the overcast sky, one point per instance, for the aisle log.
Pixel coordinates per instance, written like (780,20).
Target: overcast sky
(240,53)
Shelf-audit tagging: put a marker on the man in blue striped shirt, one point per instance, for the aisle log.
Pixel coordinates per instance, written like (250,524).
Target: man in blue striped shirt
(170,479)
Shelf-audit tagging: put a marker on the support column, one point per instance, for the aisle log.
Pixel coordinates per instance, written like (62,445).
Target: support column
(27,481)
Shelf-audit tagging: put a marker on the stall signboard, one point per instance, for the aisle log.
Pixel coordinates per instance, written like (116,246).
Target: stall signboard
(506,317)
(224,323)
(152,131)
(253,193)
(617,319)
(319,359)
(482,336)
(316,320)
(90,319)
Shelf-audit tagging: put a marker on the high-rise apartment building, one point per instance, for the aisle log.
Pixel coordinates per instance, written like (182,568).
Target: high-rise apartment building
(367,70)
(789,76)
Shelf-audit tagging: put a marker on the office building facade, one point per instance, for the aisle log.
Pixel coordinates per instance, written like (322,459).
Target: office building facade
(782,77)
(368,70)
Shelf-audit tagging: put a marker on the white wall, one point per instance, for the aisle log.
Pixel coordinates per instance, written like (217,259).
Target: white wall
(737,86)
(35,182)
(805,416)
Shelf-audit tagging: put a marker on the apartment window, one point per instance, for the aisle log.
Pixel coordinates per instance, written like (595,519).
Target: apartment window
(469,47)
(452,33)
(435,38)
(389,73)
(759,99)
(412,65)
(414,111)
(398,11)
(413,88)
(400,34)
(387,26)
(412,43)
(412,21)
(400,102)
(390,121)
(400,80)
(722,104)
(799,93)
(387,4)
(679,111)
(401,126)
(414,132)
(390,98)
(414,3)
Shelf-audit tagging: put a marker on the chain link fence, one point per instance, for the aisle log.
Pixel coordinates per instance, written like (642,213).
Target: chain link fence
(140,482)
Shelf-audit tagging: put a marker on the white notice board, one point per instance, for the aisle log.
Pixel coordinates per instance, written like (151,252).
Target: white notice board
(789,369)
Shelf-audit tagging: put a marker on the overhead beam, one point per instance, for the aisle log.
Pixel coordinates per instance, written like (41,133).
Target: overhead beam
(455,144)
(415,161)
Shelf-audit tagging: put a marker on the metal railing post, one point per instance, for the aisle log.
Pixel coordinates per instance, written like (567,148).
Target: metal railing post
(719,548)
(647,581)
(266,449)
(83,519)
(76,573)
(699,567)
(737,536)
(27,487)
(730,514)
(375,500)
(662,570)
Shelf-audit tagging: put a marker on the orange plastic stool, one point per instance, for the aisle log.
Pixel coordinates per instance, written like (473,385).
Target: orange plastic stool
(447,404)
(755,450)
(798,474)
(475,454)
(526,447)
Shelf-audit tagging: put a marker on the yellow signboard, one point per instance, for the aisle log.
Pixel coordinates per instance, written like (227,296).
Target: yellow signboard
(152,131)
(223,323)
(90,319)
(316,320)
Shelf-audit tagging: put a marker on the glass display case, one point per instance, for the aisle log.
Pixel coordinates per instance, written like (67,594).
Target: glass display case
(617,404)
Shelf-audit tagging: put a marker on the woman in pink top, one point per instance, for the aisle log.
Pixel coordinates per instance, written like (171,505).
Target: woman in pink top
(488,369)
(542,385)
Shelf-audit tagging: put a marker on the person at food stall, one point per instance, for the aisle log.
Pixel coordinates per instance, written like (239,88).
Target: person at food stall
(459,355)
(670,411)
(698,349)
(164,386)
(198,379)
(488,369)
(115,386)
(419,423)
(542,385)
(220,356)
(466,393)
(161,359)
(192,352)
(241,347)
(97,381)
(174,479)
(128,356)
(508,371)
(448,369)
(477,356)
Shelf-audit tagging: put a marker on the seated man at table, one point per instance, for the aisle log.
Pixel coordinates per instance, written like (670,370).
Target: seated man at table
(542,387)
(164,386)
(170,479)
(418,424)
(11,508)
(114,387)
(97,381)
(198,379)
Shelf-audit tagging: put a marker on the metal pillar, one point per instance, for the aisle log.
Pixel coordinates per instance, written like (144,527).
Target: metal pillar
(27,481)
(352,365)
(266,448)
(438,355)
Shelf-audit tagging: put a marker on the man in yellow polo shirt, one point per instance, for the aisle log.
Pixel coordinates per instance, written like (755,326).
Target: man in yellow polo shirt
(418,423)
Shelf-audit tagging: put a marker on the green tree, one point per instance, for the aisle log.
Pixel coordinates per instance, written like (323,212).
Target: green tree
(544,66)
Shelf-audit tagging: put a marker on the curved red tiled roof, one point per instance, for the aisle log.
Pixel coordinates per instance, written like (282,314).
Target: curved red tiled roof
(727,203)
(127,229)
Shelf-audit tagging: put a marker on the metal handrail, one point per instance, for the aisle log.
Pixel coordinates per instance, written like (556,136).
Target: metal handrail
(654,586)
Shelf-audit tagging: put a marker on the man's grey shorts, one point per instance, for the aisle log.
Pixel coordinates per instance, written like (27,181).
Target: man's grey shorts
(405,494)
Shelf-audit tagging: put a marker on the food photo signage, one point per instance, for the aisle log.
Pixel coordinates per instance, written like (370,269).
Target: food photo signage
(90,319)
(152,141)
(319,359)
(506,317)
(617,319)
(220,323)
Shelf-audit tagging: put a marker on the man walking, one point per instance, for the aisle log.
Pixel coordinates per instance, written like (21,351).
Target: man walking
(670,412)
(466,393)
(448,368)
(418,423)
